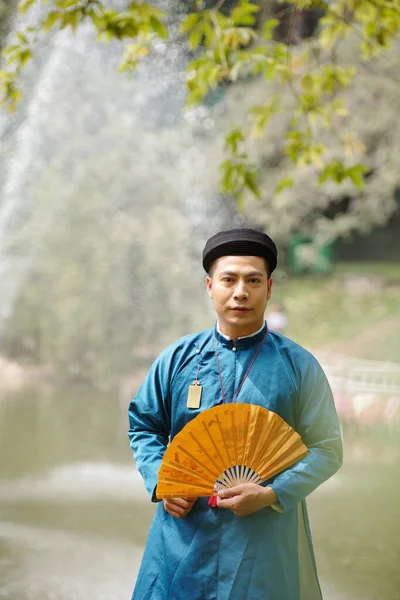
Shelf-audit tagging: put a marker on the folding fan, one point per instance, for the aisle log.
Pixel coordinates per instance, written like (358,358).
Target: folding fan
(227,445)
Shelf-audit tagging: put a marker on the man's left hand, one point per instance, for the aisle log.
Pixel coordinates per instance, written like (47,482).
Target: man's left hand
(246,499)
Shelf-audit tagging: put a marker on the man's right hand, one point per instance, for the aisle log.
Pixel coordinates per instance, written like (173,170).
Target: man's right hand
(178,507)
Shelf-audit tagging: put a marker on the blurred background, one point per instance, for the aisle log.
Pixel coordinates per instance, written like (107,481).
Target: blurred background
(108,191)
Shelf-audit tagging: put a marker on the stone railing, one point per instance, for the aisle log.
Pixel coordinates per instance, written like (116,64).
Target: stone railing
(366,392)
(353,375)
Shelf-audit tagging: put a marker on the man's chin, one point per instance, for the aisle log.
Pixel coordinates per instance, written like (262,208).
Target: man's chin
(240,321)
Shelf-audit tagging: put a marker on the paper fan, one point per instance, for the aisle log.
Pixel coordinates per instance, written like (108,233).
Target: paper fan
(227,445)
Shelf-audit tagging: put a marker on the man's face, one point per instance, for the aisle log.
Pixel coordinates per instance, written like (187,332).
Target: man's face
(240,288)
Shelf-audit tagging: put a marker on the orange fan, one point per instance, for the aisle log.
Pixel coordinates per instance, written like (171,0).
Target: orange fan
(227,445)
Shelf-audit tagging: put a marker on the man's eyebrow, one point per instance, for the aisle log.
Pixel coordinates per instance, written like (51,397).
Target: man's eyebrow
(252,274)
(258,273)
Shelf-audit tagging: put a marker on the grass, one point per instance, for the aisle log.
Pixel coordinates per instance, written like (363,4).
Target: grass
(343,314)
(389,271)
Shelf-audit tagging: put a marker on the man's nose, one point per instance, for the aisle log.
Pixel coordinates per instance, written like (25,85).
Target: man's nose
(240,292)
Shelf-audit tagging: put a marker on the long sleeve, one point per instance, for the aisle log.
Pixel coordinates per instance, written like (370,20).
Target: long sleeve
(149,422)
(319,428)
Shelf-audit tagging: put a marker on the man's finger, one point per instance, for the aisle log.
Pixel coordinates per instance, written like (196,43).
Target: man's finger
(230,492)
(176,511)
(173,513)
(179,502)
(178,507)
(227,503)
(177,514)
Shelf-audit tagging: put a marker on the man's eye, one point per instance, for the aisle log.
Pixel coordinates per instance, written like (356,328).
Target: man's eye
(254,280)
(227,279)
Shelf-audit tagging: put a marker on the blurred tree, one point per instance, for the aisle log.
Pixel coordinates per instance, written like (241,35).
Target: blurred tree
(329,211)
(232,44)
(7,9)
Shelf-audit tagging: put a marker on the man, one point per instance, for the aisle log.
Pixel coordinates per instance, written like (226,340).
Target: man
(255,544)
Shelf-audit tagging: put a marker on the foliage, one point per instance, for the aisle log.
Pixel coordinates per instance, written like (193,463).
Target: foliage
(333,210)
(234,45)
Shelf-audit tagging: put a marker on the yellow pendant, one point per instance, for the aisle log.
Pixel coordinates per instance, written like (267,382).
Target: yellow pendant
(194,395)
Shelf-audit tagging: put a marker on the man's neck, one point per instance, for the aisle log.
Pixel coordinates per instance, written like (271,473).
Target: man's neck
(235,336)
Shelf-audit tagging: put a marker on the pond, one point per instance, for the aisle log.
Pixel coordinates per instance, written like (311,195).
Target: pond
(74,514)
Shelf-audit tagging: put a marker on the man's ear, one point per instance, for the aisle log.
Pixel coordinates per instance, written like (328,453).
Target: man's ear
(209,285)
(269,289)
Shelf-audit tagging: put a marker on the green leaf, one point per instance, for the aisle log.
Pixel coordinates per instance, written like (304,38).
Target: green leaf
(308,82)
(159,28)
(22,37)
(13,57)
(262,115)
(25,56)
(195,37)
(286,182)
(51,20)
(250,181)
(243,14)
(268,28)
(335,170)
(10,49)
(24,6)
(74,19)
(233,139)
(356,174)
(189,22)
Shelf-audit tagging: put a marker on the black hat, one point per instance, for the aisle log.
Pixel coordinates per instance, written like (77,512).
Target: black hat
(240,242)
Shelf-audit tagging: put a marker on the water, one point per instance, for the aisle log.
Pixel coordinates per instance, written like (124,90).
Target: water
(74,514)
(73,510)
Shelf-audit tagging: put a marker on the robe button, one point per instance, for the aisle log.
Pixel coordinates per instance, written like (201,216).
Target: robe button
(233,349)
(197,351)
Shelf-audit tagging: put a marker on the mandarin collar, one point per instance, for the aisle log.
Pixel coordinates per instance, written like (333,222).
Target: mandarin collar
(241,343)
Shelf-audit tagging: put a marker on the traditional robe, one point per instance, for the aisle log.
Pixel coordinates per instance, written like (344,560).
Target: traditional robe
(212,554)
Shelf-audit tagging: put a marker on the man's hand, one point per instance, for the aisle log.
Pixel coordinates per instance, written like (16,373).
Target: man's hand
(178,507)
(246,499)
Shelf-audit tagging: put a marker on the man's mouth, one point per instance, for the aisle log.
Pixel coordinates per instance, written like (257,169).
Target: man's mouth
(240,309)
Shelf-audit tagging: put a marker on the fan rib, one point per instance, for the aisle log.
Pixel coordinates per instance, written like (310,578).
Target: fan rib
(223,479)
(234,475)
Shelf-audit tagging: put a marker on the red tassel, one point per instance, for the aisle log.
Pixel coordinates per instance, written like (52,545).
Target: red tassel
(212,501)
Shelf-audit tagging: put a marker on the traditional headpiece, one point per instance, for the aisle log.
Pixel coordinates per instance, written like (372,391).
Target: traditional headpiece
(240,242)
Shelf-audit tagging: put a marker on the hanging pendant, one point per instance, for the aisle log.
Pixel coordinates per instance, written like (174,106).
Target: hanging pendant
(194,395)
